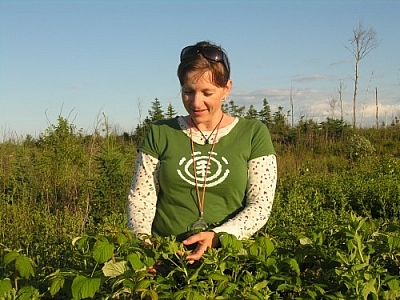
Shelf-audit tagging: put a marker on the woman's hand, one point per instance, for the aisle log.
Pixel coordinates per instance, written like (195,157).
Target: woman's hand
(204,240)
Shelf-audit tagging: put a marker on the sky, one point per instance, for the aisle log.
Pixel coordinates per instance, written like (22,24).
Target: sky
(95,61)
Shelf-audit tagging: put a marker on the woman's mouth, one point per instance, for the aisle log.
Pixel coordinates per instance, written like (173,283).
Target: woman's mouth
(198,112)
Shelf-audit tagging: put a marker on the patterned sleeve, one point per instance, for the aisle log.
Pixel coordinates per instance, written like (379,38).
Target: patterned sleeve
(259,199)
(142,197)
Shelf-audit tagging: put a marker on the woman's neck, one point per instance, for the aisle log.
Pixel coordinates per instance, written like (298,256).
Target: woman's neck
(208,125)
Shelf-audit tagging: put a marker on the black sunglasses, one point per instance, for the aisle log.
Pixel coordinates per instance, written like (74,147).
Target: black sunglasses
(212,53)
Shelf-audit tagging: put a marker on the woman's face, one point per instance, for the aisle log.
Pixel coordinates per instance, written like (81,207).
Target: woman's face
(203,99)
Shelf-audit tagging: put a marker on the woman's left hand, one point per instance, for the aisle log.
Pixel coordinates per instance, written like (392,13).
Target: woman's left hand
(204,240)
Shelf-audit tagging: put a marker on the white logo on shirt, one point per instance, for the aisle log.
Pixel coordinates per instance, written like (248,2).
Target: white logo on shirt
(212,179)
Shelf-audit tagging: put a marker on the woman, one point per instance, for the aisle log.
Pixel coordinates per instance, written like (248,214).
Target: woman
(207,172)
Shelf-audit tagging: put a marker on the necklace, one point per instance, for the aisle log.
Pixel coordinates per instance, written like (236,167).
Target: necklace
(200,224)
(207,139)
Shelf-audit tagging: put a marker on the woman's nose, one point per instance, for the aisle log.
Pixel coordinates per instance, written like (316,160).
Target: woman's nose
(196,99)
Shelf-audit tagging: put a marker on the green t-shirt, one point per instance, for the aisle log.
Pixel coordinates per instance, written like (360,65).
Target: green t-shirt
(226,182)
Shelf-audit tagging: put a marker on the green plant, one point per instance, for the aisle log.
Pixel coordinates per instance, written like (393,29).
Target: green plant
(20,270)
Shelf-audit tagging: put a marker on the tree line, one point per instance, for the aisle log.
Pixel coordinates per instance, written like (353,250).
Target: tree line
(307,131)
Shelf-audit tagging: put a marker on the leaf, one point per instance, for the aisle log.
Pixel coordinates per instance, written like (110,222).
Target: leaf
(103,251)
(258,295)
(359,267)
(24,266)
(284,287)
(10,257)
(83,287)
(266,244)
(149,261)
(173,247)
(122,239)
(394,243)
(142,285)
(230,241)
(114,269)
(369,288)
(305,241)
(5,286)
(56,285)
(76,239)
(260,285)
(218,277)
(394,284)
(153,295)
(80,242)
(293,265)
(134,260)
(28,293)
(342,258)
(222,286)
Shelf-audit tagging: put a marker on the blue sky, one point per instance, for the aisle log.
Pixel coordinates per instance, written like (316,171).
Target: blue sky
(85,59)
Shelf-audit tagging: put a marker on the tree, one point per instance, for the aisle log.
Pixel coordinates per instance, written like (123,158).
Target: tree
(340,90)
(234,110)
(332,104)
(363,42)
(292,94)
(279,121)
(170,111)
(156,112)
(251,113)
(265,113)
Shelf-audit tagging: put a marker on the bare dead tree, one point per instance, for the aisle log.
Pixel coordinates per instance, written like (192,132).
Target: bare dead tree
(292,94)
(365,99)
(332,104)
(377,106)
(340,90)
(363,42)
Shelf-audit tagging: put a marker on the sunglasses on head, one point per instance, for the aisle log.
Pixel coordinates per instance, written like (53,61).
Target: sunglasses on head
(212,53)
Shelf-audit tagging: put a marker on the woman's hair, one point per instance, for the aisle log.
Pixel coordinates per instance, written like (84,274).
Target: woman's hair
(198,63)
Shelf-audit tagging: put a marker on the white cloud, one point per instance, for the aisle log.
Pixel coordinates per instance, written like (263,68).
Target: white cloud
(311,78)
(315,104)
(340,62)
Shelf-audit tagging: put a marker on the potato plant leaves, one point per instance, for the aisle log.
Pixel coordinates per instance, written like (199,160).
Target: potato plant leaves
(84,287)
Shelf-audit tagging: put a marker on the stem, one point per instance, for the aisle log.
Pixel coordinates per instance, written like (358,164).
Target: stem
(94,269)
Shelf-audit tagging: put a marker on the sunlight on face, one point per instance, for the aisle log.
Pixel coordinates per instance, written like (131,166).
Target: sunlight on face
(202,98)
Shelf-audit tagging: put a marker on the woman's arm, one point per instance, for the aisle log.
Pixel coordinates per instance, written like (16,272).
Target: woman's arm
(262,177)
(142,197)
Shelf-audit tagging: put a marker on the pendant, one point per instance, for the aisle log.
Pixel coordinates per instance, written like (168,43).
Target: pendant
(206,142)
(198,225)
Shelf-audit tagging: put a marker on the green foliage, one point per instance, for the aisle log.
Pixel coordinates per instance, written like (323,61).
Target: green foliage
(356,258)
(156,112)
(265,113)
(234,110)
(251,113)
(170,112)
(359,147)
(333,232)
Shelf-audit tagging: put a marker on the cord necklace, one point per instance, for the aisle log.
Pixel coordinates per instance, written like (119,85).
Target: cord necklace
(200,223)
(207,139)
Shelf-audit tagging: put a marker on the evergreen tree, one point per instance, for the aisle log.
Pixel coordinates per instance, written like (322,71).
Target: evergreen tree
(156,112)
(140,131)
(279,121)
(170,111)
(235,110)
(225,107)
(265,113)
(251,113)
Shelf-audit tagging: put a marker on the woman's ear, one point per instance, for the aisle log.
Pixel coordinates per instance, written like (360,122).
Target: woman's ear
(227,89)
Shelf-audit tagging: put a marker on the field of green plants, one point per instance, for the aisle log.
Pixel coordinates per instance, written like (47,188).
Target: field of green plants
(334,232)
